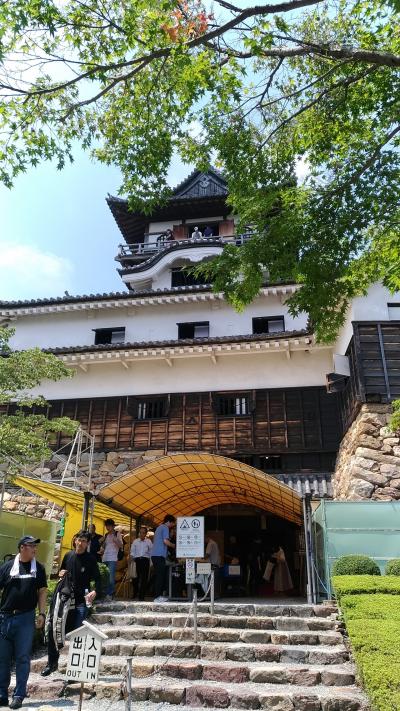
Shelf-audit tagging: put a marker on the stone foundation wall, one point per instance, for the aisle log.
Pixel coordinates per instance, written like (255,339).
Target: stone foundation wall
(368,462)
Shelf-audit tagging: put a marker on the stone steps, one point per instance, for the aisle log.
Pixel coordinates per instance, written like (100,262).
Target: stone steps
(222,634)
(235,672)
(282,657)
(179,620)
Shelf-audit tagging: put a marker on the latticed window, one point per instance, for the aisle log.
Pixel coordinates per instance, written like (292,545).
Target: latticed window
(233,405)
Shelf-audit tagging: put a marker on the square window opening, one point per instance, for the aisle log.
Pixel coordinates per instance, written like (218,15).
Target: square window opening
(199,329)
(268,324)
(103,336)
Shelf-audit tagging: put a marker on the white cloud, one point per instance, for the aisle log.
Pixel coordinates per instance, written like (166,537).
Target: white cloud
(26,272)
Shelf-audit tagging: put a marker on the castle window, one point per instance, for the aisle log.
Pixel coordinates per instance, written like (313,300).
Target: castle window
(181,277)
(151,409)
(196,329)
(269,324)
(394,311)
(109,335)
(233,405)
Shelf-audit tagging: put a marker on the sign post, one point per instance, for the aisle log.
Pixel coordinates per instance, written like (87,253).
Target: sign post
(84,655)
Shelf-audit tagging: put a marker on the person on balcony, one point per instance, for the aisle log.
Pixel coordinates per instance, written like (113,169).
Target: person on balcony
(196,234)
(208,232)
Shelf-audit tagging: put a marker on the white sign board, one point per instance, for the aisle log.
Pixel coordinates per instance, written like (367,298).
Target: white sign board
(190,537)
(190,571)
(84,653)
(203,568)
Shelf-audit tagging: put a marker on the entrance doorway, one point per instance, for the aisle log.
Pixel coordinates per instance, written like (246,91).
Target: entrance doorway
(262,555)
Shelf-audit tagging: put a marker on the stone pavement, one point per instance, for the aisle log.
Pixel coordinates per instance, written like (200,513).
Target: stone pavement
(286,657)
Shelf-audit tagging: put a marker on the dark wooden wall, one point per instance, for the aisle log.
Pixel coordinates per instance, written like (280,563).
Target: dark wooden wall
(291,420)
(377,354)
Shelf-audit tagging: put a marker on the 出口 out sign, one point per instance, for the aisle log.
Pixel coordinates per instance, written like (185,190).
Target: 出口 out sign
(84,653)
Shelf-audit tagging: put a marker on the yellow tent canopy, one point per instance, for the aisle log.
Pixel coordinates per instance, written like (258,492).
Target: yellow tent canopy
(185,484)
(73,503)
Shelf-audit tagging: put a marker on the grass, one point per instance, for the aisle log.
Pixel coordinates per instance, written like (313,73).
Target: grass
(372,616)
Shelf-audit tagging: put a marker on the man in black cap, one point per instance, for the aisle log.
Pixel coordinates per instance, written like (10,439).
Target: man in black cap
(24,585)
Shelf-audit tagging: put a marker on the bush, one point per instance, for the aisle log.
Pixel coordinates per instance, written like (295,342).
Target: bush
(365,584)
(105,579)
(372,621)
(355,565)
(393,567)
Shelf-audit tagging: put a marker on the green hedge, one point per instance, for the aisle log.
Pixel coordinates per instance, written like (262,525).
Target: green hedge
(373,624)
(393,567)
(356,584)
(355,565)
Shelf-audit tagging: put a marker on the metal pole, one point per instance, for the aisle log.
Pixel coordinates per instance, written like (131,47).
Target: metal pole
(85,513)
(309,582)
(195,616)
(3,490)
(128,684)
(212,591)
(312,556)
(80,697)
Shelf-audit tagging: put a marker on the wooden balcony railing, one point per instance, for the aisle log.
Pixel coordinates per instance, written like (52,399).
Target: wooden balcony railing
(155,242)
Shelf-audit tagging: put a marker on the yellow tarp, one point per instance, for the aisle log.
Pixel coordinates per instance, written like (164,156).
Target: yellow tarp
(185,484)
(72,501)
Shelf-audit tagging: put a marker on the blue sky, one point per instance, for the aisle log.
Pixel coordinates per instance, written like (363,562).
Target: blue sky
(57,233)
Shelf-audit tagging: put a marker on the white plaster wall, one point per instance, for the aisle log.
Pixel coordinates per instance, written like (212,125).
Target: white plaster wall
(195,374)
(146,323)
(372,307)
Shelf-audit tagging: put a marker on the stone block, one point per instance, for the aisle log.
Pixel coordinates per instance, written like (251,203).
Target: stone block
(217,652)
(113,457)
(363,462)
(276,702)
(170,695)
(240,654)
(373,476)
(290,656)
(244,701)
(390,470)
(307,703)
(182,671)
(376,456)
(107,467)
(291,624)
(268,675)
(10,505)
(362,488)
(207,696)
(123,467)
(142,669)
(337,678)
(396,451)
(235,675)
(267,654)
(343,703)
(369,441)
(387,491)
(319,656)
(140,693)
(250,636)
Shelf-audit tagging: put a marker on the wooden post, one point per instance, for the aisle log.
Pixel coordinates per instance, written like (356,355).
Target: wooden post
(80,697)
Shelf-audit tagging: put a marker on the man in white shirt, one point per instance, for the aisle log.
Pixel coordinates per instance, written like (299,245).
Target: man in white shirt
(212,552)
(140,553)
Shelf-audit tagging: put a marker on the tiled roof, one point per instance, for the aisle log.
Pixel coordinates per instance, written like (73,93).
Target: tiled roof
(108,296)
(179,342)
(319,485)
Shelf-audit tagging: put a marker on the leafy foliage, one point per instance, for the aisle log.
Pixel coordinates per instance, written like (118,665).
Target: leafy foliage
(373,623)
(24,435)
(393,567)
(395,418)
(359,584)
(254,90)
(355,565)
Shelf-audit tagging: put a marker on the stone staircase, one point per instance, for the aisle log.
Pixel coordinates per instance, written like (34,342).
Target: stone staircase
(285,657)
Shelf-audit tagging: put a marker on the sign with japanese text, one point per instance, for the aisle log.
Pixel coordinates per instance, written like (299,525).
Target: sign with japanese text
(190,537)
(190,571)
(84,653)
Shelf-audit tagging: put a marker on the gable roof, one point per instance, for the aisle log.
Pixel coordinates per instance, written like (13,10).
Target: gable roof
(201,194)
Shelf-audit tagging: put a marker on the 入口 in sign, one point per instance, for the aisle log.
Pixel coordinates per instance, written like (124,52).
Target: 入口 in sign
(84,653)
(190,537)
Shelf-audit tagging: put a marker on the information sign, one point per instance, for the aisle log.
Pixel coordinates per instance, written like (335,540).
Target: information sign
(84,653)
(190,571)
(203,568)
(190,537)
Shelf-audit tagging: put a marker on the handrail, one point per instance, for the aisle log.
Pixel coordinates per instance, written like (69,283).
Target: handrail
(160,244)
